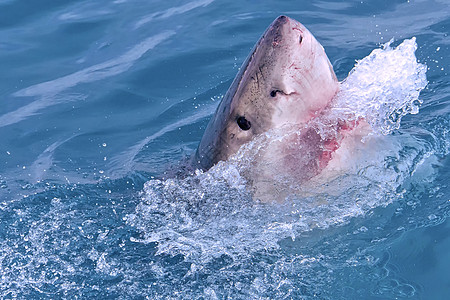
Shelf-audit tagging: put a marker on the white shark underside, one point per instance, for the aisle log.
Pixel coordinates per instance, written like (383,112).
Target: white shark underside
(287,82)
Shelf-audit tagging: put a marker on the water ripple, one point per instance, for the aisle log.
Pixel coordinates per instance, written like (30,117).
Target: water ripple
(48,91)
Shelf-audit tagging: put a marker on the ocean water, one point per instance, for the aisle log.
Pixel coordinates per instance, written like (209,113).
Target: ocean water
(101,98)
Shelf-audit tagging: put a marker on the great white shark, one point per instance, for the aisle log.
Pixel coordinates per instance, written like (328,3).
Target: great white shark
(286,81)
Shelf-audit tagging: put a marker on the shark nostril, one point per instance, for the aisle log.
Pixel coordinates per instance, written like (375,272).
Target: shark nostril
(300,39)
(243,123)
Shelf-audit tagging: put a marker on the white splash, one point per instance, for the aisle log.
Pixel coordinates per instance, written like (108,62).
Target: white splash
(383,87)
(209,214)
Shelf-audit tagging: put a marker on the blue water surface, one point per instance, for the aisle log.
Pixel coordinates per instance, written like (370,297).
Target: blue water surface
(99,97)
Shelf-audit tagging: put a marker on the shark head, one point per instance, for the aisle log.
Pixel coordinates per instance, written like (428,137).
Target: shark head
(286,79)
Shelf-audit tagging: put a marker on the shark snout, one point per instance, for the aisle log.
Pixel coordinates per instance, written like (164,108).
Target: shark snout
(282,19)
(276,30)
(284,30)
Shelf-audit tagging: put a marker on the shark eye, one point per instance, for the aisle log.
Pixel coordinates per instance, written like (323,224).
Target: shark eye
(300,39)
(273,93)
(243,123)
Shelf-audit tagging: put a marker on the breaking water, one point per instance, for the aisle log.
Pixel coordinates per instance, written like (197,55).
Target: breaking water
(210,217)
